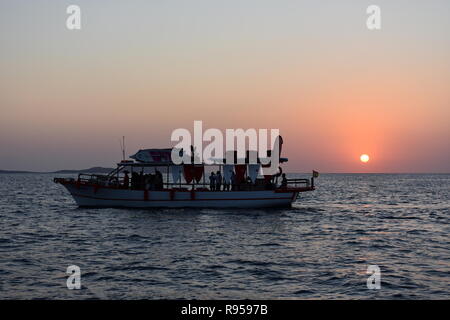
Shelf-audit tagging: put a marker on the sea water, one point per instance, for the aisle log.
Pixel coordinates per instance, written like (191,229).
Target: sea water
(321,248)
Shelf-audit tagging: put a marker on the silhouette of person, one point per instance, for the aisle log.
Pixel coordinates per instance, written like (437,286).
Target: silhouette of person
(233,181)
(159,180)
(212,181)
(126,180)
(283,181)
(218,181)
(134,180)
(141,183)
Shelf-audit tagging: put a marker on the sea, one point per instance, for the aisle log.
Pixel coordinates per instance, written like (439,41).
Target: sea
(357,236)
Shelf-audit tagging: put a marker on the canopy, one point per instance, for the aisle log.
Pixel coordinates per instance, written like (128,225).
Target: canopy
(161,156)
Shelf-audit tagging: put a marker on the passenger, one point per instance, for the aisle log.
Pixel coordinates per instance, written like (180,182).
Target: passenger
(233,181)
(226,185)
(141,183)
(147,185)
(218,181)
(126,180)
(270,185)
(283,181)
(151,181)
(134,180)
(212,181)
(159,184)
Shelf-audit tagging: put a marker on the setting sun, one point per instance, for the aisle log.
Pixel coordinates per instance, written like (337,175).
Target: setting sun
(364,158)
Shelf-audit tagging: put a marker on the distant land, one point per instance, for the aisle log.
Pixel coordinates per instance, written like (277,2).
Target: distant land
(108,170)
(90,170)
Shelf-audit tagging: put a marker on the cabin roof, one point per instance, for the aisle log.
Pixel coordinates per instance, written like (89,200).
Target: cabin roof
(132,163)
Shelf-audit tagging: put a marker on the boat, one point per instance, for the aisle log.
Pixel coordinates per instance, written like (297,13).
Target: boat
(156,182)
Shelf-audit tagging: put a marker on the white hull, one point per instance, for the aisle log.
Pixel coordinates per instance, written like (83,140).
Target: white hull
(89,196)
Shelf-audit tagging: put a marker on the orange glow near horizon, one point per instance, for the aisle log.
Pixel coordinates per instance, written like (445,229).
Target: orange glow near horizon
(333,88)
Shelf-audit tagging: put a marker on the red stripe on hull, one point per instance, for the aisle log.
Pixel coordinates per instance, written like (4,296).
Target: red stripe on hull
(233,199)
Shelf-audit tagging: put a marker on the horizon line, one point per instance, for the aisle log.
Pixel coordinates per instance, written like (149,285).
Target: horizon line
(291,172)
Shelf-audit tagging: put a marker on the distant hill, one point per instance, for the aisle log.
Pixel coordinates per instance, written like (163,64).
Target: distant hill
(90,170)
(15,171)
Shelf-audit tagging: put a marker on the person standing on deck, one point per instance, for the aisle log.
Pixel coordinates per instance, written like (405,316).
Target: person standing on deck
(134,180)
(218,181)
(126,180)
(233,181)
(159,182)
(283,181)
(141,183)
(212,181)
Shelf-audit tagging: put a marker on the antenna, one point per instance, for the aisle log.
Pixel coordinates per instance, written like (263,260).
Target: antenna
(123,148)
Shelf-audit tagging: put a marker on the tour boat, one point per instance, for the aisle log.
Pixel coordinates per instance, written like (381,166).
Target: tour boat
(185,185)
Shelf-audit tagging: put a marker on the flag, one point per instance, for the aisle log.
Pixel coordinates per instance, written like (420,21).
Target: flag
(315,174)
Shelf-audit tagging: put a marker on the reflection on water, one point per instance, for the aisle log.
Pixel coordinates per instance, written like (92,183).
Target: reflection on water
(320,248)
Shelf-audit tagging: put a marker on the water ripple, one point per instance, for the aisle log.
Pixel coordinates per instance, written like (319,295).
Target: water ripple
(318,249)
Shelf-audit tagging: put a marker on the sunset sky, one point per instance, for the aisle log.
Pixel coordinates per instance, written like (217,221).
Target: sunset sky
(312,69)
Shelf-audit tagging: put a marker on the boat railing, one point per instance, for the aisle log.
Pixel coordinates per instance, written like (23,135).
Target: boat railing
(296,183)
(91,178)
(118,181)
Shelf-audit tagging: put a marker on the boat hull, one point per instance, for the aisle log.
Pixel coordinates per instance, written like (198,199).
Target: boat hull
(93,196)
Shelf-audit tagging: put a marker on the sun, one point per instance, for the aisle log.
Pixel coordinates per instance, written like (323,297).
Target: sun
(364,158)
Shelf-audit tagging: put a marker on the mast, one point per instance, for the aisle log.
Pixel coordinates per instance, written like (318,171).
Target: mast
(123,148)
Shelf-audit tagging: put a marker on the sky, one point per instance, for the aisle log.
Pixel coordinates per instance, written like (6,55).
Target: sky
(311,69)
